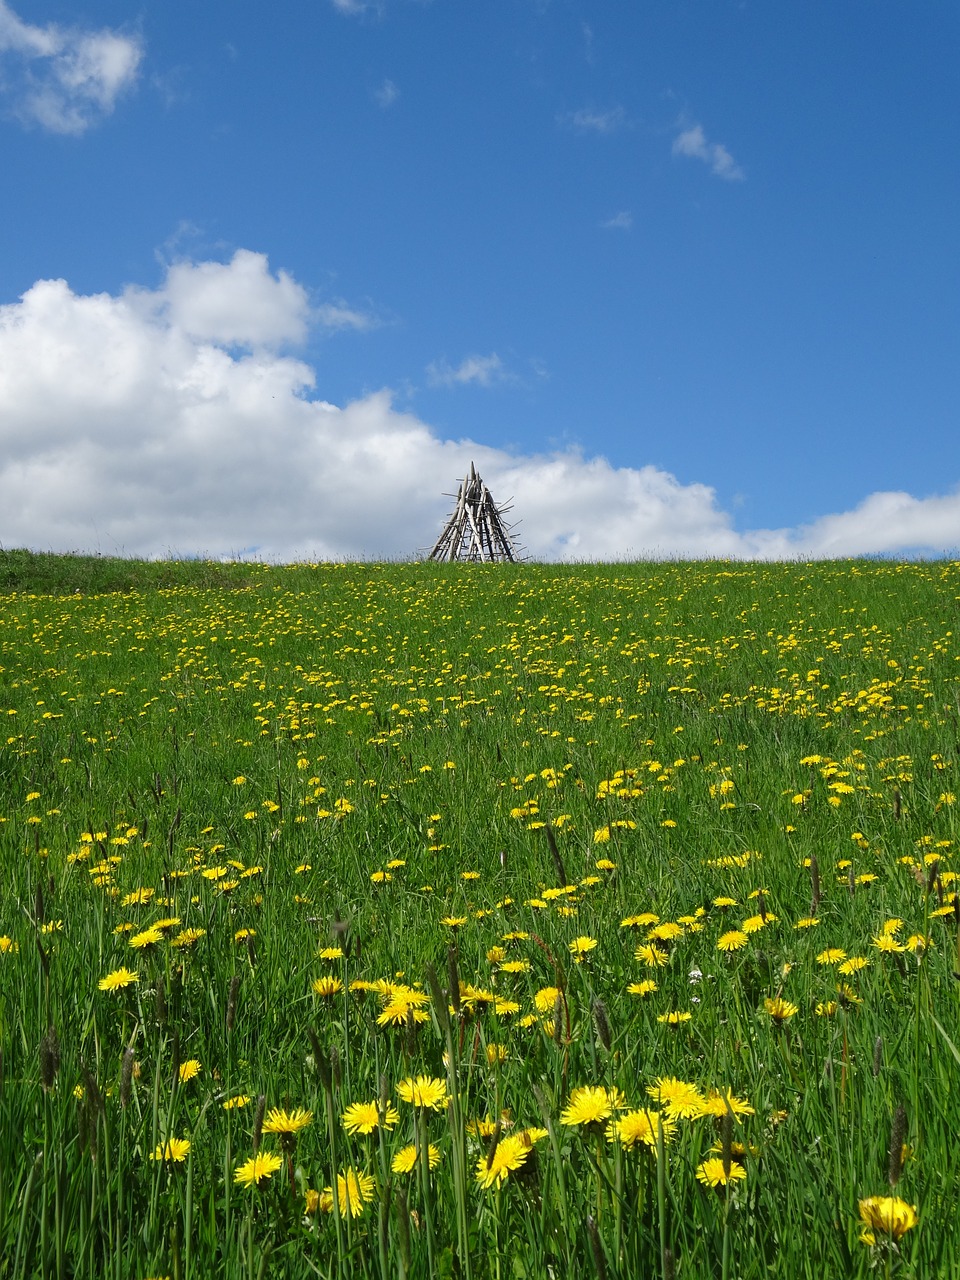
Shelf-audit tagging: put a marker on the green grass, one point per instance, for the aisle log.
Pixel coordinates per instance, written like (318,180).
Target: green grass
(464,777)
(44,574)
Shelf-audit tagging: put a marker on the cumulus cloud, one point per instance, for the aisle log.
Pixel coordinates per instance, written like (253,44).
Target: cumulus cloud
(175,420)
(693,142)
(482,370)
(63,78)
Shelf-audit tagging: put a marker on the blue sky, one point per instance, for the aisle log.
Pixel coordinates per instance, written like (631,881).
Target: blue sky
(682,276)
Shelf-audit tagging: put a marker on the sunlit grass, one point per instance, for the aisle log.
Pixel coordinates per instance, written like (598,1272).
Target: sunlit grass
(493,921)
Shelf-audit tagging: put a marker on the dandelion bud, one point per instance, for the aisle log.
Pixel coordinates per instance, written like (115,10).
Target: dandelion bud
(898,1132)
(602,1023)
(258,1121)
(232,1002)
(49,1058)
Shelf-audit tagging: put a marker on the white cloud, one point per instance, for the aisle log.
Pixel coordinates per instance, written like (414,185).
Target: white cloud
(238,302)
(170,420)
(590,120)
(356,6)
(387,94)
(483,370)
(621,221)
(693,142)
(64,78)
(339,315)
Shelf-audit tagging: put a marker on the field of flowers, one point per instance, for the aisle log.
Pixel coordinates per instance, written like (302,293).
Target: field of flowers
(483,921)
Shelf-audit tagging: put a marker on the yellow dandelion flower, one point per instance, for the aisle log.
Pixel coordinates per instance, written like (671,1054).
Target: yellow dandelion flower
(888,942)
(189,1070)
(642,988)
(355,1190)
(640,1128)
(545,999)
(147,938)
(590,1104)
(405,1160)
(888,1215)
(509,1155)
(174,1150)
(327,986)
(641,921)
(713,1174)
(680,1099)
(118,979)
(779,1009)
(579,947)
(424,1091)
(718,1103)
(286,1122)
(186,938)
(364,1117)
(257,1169)
(732,940)
(675,1018)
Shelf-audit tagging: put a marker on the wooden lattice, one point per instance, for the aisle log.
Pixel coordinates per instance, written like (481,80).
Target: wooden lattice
(476,529)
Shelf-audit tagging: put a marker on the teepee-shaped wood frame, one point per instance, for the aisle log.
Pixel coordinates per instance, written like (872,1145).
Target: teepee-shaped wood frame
(476,529)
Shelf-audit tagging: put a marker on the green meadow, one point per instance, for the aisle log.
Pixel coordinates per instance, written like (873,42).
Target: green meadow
(474,921)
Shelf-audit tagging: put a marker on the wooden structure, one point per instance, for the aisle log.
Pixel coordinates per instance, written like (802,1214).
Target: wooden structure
(476,529)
